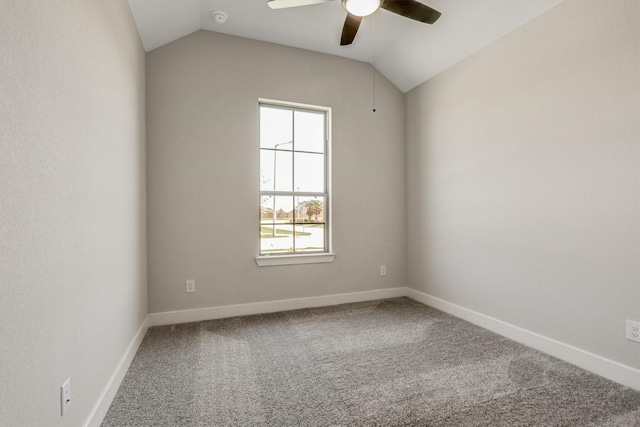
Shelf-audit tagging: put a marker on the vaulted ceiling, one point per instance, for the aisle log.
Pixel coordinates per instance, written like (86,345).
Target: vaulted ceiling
(405,51)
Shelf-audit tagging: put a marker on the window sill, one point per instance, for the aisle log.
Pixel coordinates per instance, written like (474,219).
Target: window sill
(268,261)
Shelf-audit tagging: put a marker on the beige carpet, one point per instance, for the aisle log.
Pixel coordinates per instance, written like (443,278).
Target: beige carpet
(383,363)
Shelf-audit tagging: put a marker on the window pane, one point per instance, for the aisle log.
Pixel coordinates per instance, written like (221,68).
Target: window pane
(283,167)
(266,209)
(276,233)
(284,209)
(266,170)
(279,240)
(276,128)
(309,172)
(309,237)
(309,131)
(282,164)
(310,210)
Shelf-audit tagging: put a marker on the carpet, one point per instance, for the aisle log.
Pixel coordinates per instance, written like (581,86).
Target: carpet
(391,362)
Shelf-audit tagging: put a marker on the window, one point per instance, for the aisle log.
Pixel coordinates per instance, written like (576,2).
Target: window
(294,180)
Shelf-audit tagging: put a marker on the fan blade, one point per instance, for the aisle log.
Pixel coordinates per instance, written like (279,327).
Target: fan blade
(351,25)
(412,9)
(282,4)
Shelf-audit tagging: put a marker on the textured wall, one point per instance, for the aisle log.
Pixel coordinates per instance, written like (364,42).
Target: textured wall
(72,203)
(523,178)
(202,150)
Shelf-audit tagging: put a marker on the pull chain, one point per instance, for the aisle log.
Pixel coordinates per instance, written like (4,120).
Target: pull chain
(374,64)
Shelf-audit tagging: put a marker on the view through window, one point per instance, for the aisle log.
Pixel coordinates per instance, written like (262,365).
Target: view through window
(293,179)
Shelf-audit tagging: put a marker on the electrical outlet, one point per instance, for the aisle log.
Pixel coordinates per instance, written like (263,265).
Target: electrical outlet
(191,286)
(383,270)
(65,396)
(633,330)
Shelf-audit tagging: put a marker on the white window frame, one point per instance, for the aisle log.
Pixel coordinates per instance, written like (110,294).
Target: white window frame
(266,260)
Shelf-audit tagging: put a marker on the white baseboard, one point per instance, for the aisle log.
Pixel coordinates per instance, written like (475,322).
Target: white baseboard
(210,313)
(104,401)
(622,374)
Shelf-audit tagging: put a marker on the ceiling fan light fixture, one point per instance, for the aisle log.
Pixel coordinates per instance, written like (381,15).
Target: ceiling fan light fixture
(361,7)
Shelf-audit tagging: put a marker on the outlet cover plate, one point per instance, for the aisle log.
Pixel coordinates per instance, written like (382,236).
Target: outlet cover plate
(65,396)
(633,330)
(191,286)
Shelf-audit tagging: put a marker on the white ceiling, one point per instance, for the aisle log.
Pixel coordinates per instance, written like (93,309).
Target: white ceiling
(406,52)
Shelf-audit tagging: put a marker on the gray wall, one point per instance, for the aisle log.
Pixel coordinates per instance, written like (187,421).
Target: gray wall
(202,150)
(72,203)
(523,178)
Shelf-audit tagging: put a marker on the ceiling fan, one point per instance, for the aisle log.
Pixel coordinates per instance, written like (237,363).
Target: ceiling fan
(358,9)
